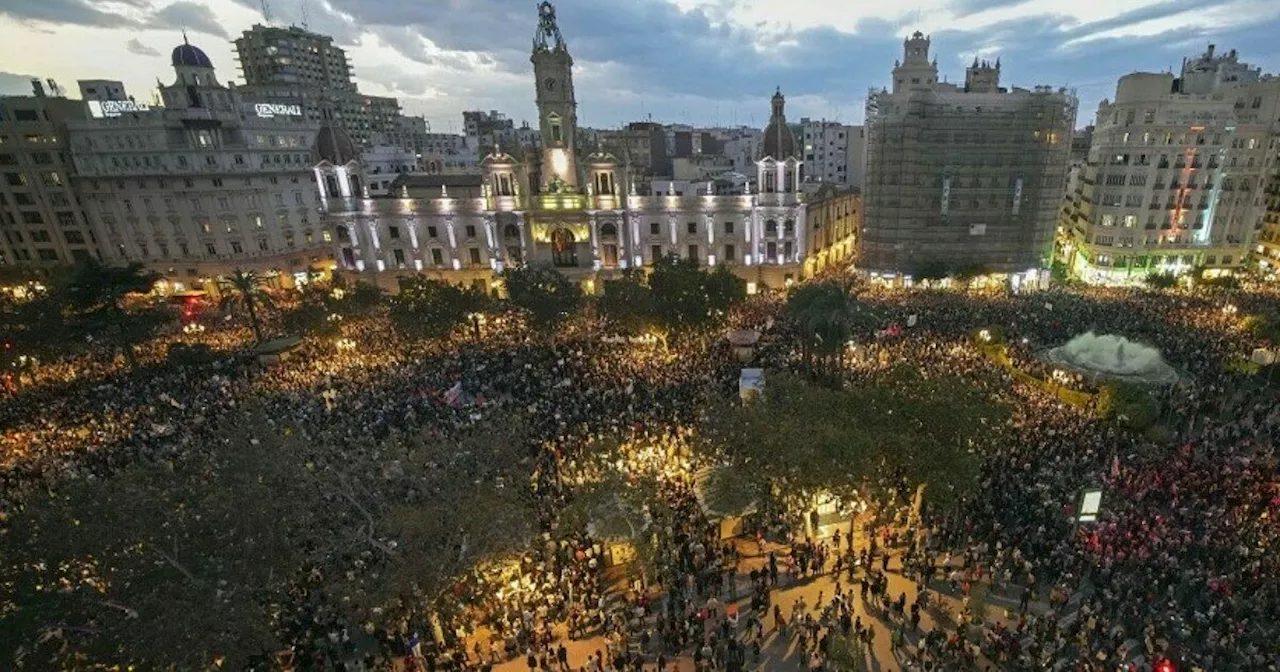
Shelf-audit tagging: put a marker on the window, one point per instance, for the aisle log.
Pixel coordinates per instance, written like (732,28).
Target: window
(655,229)
(399,256)
(787,249)
(262,244)
(211,249)
(8,160)
(298,198)
(730,254)
(279,198)
(728,229)
(393,232)
(693,252)
(771,228)
(23,198)
(217,181)
(432,232)
(789,228)
(471,231)
(475,255)
(47,255)
(224,203)
(66,219)
(197,205)
(32,217)
(15,179)
(257,222)
(437,257)
(325,235)
(771,252)
(236,247)
(40,237)
(693,228)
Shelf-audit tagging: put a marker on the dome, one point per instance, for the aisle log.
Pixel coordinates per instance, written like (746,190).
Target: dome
(186,55)
(779,142)
(335,146)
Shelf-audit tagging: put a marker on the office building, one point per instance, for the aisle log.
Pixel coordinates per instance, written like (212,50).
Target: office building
(40,213)
(209,183)
(293,66)
(962,177)
(1176,174)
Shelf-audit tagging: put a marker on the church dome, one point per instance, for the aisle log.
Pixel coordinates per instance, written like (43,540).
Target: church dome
(779,142)
(335,146)
(189,56)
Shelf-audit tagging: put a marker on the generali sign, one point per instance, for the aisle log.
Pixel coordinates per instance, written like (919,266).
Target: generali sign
(114,108)
(268,110)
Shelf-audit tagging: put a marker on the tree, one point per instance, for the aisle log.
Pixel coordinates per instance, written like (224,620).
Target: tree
(435,308)
(547,295)
(33,326)
(827,316)
(97,297)
(804,438)
(679,292)
(933,269)
(724,289)
(627,303)
(178,563)
(1129,404)
(1263,327)
(1163,280)
(243,292)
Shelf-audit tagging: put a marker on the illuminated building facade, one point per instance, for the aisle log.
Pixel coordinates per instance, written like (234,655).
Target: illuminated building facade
(1176,173)
(569,206)
(206,184)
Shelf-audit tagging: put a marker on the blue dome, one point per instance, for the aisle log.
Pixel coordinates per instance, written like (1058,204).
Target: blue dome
(186,55)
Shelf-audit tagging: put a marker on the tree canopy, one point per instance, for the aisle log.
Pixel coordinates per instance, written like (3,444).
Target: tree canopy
(547,295)
(806,438)
(177,563)
(96,298)
(433,308)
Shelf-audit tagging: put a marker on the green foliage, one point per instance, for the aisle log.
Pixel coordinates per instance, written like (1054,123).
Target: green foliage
(1263,327)
(435,308)
(679,292)
(1163,280)
(96,299)
(808,438)
(547,295)
(1129,404)
(310,318)
(243,292)
(724,289)
(1220,282)
(935,269)
(165,566)
(826,317)
(363,298)
(193,355)
(627,303)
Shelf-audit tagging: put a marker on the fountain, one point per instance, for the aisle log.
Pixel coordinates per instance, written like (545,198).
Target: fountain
(1111,356)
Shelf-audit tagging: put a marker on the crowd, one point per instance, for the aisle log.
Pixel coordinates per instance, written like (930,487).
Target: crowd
(1181,564)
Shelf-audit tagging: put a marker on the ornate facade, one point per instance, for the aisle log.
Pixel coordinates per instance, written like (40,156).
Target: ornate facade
(572,207)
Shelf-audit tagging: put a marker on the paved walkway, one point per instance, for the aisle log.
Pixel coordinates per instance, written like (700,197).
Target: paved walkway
(785,654)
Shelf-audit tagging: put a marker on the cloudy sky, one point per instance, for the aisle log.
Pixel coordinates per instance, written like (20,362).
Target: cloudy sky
(689,61)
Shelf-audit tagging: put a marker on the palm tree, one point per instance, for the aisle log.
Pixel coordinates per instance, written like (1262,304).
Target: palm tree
(243,291)
(827,316)
(97,296)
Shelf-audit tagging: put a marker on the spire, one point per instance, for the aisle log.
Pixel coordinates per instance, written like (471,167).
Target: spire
(547,37)
(975,60)
(184,37)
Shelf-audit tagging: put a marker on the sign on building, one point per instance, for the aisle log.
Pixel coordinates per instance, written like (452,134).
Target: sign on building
(269,110)
(99,109)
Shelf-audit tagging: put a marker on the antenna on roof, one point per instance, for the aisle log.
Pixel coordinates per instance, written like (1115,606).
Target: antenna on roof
(266,12)
(304,15)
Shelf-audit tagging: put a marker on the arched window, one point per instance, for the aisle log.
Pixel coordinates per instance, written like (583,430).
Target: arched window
(770,180)
(789,228)
(344,236)
(511,231)
(562,248)
(608,229)
(557,135)
(771,228)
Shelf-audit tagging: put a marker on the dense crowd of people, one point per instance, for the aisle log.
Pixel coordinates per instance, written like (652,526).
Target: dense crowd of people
(1181,563)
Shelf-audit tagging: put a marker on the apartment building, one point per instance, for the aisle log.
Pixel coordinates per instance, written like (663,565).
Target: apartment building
(1177,173)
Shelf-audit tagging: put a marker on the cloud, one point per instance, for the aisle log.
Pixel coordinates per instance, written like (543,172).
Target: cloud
(184,15)
(75,12)
(135,46)
(13,84)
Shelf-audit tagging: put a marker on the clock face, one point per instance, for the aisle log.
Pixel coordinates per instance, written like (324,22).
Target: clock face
(550,83)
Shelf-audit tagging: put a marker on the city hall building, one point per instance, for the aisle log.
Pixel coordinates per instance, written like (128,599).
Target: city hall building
(565,205)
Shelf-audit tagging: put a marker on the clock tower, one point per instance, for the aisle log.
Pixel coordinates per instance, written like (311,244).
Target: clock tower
(557,109)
